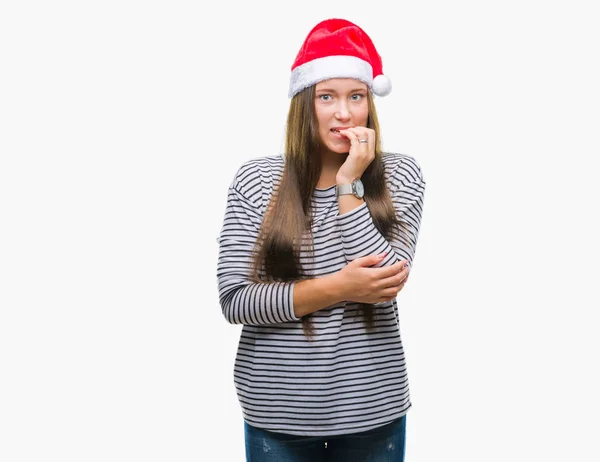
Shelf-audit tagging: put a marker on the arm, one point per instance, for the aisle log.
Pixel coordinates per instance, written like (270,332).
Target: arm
(359,235)
(311,295)
(244,302)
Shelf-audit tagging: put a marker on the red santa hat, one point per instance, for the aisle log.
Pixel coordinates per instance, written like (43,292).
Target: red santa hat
(336,48)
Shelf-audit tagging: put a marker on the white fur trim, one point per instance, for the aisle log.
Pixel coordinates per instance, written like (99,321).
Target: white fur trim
(330,67)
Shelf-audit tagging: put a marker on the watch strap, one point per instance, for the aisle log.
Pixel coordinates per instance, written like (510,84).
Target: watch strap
(343,189)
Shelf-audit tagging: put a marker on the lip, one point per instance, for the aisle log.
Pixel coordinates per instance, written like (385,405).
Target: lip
(338,136)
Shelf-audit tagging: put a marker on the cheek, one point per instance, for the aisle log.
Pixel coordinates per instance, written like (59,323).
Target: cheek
(322,117)
(323,122)
(364,114)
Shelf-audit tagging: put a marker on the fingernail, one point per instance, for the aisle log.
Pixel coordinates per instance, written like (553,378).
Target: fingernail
(381,255)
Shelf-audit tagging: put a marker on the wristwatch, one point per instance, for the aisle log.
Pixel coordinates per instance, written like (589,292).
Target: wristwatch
(356,188)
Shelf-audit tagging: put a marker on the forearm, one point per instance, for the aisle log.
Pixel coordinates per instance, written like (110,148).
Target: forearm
(311,295)
(258,303)
(348,202)
(360,237)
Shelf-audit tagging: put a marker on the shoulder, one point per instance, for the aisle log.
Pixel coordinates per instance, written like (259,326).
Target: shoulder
(256,177)
(401,169)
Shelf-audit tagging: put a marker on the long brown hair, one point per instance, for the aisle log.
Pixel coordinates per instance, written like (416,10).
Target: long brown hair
(277,249)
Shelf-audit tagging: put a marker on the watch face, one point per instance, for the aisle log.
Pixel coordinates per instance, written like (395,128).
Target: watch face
(358,187)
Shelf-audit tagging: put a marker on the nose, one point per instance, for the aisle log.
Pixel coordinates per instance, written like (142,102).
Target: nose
(343,111)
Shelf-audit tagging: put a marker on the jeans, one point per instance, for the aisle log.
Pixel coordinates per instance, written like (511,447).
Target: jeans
(382,444)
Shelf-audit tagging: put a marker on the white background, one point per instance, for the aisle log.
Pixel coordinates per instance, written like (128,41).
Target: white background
(122,124)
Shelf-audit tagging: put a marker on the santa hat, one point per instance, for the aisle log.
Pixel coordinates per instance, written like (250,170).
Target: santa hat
(336,48)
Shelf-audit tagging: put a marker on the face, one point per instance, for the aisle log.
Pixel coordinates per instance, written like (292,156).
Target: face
(340,103)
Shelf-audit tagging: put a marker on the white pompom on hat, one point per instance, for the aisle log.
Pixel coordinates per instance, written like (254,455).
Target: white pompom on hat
(337,48)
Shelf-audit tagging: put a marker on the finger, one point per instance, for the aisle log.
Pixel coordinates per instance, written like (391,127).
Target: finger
(364,133)
(393,281)
(350,135)
(390,293)
(403,283)
(391,270)
(361,134)
(369,260)
(399,287)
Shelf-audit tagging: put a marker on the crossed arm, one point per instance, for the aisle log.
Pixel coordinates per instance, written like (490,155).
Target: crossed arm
(246,302)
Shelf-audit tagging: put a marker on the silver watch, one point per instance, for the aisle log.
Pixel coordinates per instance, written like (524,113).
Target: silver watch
(356,188)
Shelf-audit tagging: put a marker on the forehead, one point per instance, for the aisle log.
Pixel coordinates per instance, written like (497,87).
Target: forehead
(341,85)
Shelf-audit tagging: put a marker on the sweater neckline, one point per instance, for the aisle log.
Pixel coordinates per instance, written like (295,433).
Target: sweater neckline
(325,192)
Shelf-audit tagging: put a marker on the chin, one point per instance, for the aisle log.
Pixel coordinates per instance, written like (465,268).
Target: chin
(339,149)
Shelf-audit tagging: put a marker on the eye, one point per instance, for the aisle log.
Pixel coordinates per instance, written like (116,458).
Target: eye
(321,97)
(360,96)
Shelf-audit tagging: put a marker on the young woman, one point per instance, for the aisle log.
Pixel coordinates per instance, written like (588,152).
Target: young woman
(315,246)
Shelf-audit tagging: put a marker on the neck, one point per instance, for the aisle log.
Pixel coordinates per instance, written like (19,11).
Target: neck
(330,164)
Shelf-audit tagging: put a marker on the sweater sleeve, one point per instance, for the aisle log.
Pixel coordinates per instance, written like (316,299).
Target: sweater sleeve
(242,301)
(359,235)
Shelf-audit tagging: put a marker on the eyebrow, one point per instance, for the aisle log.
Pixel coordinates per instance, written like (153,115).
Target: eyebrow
(331,90)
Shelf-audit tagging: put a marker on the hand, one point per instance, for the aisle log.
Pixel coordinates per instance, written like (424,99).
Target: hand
(363,284)
(360,154)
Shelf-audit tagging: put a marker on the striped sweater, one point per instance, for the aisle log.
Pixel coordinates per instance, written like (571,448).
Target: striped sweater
(346,379)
